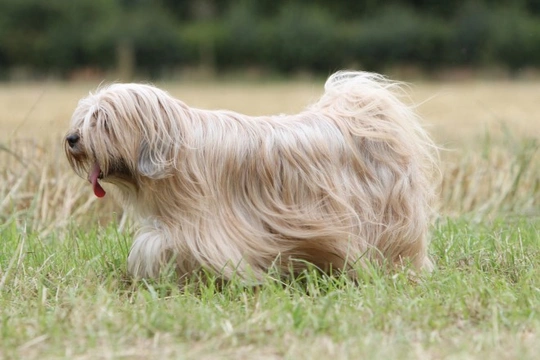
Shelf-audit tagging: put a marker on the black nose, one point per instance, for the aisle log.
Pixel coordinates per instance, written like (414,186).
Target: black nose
(72,140)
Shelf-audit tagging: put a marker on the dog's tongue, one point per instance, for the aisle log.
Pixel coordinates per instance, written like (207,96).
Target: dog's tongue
(93,178)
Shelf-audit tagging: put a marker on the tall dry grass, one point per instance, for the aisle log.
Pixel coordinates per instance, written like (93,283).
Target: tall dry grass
(40,193)
(494,179)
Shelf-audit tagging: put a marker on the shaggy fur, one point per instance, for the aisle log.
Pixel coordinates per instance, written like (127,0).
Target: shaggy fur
(348,180)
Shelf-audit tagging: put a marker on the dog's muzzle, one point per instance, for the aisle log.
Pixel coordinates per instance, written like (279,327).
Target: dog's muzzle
(77,153)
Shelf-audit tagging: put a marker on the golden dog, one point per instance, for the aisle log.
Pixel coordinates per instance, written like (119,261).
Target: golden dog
(347,181)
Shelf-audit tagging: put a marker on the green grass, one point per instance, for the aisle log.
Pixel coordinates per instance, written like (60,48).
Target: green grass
(66,295)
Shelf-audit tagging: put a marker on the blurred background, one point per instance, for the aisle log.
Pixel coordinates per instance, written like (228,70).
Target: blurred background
(172,39)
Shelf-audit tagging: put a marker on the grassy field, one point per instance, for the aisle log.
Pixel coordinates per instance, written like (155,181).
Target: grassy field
(64,292)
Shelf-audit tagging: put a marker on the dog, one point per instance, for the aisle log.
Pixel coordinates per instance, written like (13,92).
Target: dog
(347,182)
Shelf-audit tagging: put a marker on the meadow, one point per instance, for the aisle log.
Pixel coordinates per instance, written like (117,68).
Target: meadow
(64,293)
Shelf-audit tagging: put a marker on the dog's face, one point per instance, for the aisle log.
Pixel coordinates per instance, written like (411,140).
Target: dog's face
(120,135)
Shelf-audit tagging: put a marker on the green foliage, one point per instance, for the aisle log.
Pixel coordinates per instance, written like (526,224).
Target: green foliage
(50,35)
(516,39)
(400,36)
(242,32)
(320,36)
(472,36)
(305,37)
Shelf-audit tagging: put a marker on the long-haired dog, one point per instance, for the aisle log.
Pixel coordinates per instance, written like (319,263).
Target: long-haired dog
(347,181)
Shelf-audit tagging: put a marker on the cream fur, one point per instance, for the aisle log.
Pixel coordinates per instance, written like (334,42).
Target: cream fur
(347,181)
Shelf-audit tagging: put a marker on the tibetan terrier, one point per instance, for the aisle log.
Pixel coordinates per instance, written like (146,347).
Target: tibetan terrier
(346,182)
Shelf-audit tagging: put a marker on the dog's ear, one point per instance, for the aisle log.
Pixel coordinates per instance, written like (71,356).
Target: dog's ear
(153,163)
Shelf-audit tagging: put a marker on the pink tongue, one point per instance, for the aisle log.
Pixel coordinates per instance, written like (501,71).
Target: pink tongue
(93,178)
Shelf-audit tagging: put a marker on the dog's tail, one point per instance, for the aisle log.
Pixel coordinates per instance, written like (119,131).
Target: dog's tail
(365,97)
(376,110)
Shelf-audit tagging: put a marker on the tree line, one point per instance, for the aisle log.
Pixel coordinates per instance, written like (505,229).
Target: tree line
(157,37)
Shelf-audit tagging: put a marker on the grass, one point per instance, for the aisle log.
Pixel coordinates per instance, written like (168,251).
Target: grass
(68,297)
(64,292)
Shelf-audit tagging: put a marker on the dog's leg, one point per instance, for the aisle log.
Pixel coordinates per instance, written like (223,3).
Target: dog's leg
(148,253)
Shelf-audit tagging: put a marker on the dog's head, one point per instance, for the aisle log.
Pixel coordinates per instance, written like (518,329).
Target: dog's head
(124,133)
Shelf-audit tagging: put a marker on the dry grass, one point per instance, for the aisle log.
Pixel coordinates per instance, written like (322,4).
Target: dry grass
(498,179)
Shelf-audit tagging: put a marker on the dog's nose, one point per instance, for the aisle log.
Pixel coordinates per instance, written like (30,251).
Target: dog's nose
(72,140)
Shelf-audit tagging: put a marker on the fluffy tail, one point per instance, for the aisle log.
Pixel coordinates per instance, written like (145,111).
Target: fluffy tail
(364,95)
(376,110)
